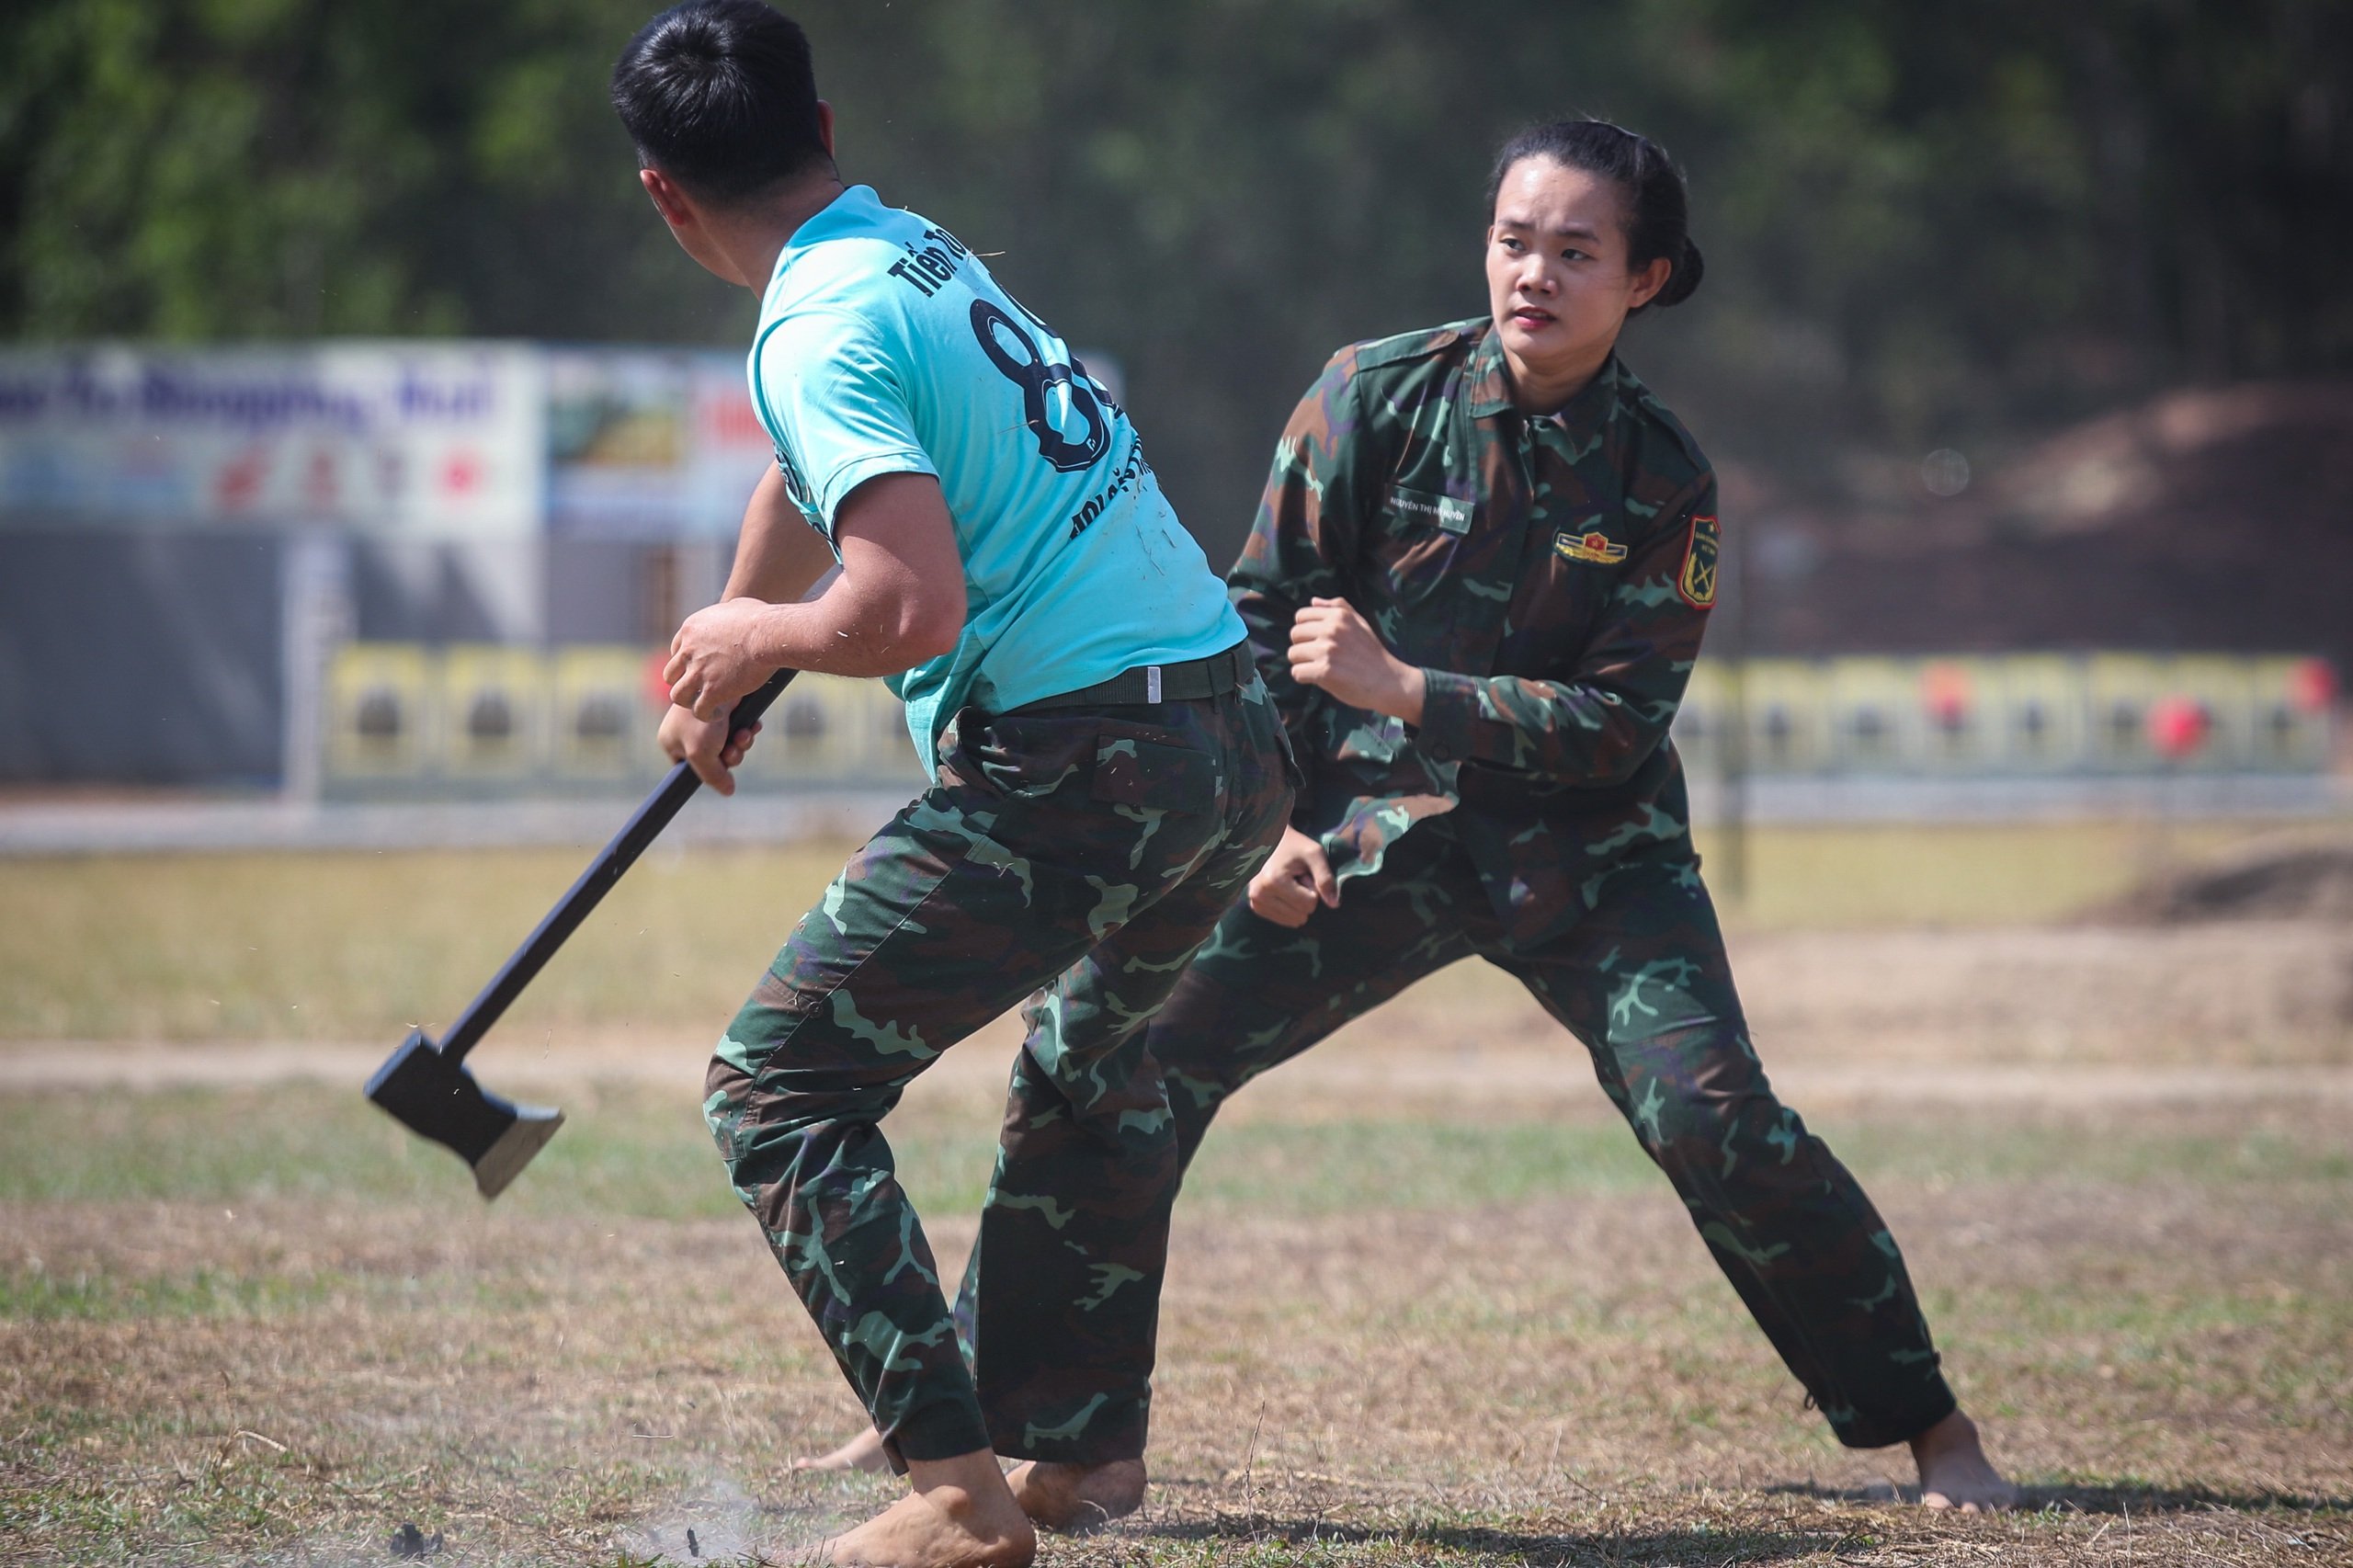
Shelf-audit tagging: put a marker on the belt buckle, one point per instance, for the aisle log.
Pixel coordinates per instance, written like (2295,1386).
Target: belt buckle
(1151,683)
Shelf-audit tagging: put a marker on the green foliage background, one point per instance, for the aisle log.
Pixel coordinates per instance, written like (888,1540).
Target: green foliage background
(1925,222)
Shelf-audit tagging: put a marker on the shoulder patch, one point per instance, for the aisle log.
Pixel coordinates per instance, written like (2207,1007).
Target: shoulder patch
(1407,346)
(1697,581)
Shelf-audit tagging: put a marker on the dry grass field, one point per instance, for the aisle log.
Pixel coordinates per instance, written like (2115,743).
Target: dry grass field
(1427,1305)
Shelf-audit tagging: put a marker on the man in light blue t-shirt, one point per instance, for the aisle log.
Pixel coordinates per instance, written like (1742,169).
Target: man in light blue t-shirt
(885,347)
(1107,773)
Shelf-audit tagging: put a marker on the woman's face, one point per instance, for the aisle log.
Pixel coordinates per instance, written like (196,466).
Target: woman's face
(1557,280)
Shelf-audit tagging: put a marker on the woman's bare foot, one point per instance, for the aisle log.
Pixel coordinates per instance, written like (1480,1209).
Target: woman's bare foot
(1077,1499)
(1955,1472)
(959,1516)
(861,1452)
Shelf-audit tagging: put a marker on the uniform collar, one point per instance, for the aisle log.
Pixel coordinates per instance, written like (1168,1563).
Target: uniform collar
(1488,385)
(1489,390)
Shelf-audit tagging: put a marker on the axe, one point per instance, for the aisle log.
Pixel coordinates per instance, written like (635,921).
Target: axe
(426,1087)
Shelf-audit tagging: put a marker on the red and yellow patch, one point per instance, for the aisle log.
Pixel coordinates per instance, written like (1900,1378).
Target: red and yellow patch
(1598,547)
(1697,582)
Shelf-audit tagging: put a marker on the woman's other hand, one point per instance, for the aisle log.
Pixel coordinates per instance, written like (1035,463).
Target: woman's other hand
(1296,879)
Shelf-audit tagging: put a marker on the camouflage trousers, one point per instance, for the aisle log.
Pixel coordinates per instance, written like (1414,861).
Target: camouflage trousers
(1086,851)
(1642,979)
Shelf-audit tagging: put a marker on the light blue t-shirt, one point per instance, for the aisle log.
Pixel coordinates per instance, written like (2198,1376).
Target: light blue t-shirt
(885,346)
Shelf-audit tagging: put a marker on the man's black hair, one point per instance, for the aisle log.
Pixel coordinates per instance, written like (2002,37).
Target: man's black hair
(718,94)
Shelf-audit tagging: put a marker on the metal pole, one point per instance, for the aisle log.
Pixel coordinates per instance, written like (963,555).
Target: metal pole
(314,616)
(1732,609)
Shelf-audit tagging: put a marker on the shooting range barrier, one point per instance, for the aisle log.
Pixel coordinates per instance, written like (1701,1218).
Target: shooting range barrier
(2010,715)
(476,721)
(408,721)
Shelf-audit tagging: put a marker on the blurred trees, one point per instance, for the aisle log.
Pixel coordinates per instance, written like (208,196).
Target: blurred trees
(1924,223)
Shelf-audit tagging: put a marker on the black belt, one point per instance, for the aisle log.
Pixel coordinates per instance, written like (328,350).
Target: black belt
(1188,682)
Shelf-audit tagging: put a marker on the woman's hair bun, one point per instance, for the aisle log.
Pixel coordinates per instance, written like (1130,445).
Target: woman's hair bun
(1684,281)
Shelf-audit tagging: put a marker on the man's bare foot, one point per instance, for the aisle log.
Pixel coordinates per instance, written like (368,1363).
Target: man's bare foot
(1077,1499)
(959,1516)
(1955,1472)
(861,1452)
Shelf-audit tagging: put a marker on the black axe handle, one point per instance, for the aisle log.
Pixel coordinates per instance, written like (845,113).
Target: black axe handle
(595,883)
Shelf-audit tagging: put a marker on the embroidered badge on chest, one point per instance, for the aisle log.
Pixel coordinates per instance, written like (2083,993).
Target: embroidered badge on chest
(1698,582)
(1593,546)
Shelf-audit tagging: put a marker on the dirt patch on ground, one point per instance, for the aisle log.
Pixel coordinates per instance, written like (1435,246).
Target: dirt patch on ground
(2253,991)
(2087,1015)
(1909,1004)
(2111,534)
(2267,882)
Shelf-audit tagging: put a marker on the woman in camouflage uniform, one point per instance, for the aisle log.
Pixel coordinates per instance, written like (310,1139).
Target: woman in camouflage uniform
(1476,587)
(1477,584)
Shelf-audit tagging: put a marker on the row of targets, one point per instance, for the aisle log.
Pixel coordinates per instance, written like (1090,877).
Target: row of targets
(2017,714)
(405,718)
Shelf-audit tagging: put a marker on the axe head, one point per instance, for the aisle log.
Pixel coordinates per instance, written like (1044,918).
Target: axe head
(437,1098)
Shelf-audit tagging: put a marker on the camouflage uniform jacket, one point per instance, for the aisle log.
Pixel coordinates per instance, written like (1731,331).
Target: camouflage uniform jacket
(1551,575)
